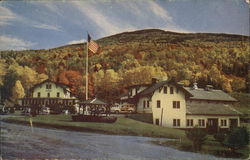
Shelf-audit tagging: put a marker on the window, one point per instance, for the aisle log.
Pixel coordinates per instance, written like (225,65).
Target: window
(48,94)
(176,104)
(144,104)
(48,86)
(147,104)
(190,122)
(176,122)
(38,94)
(158,104)
(223,122)
(177,90)
(201,122)
(171,90)
(130,93)
(165,90)
(58,94)
(157,121)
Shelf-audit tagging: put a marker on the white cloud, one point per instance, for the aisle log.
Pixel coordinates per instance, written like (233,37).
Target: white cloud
(6,15)
(102,21)
(14,43)
(48,27)
(77,41)
(159,11)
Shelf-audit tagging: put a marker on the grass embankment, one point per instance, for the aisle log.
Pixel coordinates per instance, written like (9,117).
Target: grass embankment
(211,146)
(123,126)
(127,126)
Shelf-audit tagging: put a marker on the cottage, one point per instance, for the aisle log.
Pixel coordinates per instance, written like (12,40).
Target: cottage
(47,94)
(173,105)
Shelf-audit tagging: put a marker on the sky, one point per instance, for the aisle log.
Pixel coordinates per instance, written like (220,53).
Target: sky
(44,24)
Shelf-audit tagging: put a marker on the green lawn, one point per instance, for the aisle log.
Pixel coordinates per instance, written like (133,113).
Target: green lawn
(127,126)
(123,126)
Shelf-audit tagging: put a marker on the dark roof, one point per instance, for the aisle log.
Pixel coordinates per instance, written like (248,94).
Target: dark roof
(215,95)
(47,80)
(211,109)
(160,84)
(123,95)
(94,101)
(138,85)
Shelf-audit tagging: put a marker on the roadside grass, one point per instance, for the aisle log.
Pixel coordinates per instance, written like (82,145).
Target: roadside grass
(123,126)
(211,146)
(127,126)
(145,117)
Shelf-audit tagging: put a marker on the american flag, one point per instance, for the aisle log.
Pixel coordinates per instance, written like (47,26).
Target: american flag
(92,45)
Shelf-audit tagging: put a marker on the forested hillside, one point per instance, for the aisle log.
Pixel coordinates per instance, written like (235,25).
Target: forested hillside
(132,58)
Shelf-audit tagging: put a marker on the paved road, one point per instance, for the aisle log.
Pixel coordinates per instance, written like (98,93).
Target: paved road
(19,142)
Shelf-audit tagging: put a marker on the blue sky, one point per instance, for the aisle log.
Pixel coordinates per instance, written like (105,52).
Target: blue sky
(49,24)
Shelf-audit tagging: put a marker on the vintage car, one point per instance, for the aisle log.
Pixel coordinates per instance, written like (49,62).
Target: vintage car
(123,108)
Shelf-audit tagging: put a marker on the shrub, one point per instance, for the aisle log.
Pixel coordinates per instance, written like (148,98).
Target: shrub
(197,136)
(220,136)
(237,138)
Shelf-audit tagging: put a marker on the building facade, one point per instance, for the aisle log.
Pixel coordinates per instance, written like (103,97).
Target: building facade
(175,106)
(48,94)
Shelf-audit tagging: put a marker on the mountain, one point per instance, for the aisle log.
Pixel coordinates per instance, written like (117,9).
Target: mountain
(218,59)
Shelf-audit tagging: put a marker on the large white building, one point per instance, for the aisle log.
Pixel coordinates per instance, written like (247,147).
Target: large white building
(47,94)
(173,105)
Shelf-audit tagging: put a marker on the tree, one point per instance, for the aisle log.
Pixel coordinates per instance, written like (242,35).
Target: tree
(17,91)
(2,71)
(142,75)
(9,81)
(107,84)
(197,136)
(237,138)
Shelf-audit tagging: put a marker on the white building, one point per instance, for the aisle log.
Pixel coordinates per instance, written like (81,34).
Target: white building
(173,105)
(48,93)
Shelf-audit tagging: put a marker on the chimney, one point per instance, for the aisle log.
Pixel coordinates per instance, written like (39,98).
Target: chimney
(195,85)
(181,84)
(154,80)
(209,88)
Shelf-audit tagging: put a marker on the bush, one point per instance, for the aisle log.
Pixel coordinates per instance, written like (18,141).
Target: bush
(197,136)
(237,138)
(220,136)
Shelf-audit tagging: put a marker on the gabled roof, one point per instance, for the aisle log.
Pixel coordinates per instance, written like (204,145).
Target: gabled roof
(155,86)
(138,85)
(49,81)
(211,109)
(94,101)
(215,95)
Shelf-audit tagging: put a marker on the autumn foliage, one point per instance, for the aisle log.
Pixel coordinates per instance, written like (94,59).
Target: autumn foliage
(221,60)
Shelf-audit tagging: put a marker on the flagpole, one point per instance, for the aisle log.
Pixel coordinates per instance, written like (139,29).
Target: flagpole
(87,70)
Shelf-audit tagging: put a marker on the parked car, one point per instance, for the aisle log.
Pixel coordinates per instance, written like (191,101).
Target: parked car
(124,108)
(3,110)
(26,111)
(45,110)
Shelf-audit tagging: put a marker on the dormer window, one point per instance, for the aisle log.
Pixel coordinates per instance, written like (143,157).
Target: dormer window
(130,92)
(48,86)
(136,90)
(171,90)
(165,89)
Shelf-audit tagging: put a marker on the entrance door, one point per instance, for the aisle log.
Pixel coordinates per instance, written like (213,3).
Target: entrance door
(212,125)
(233,123)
